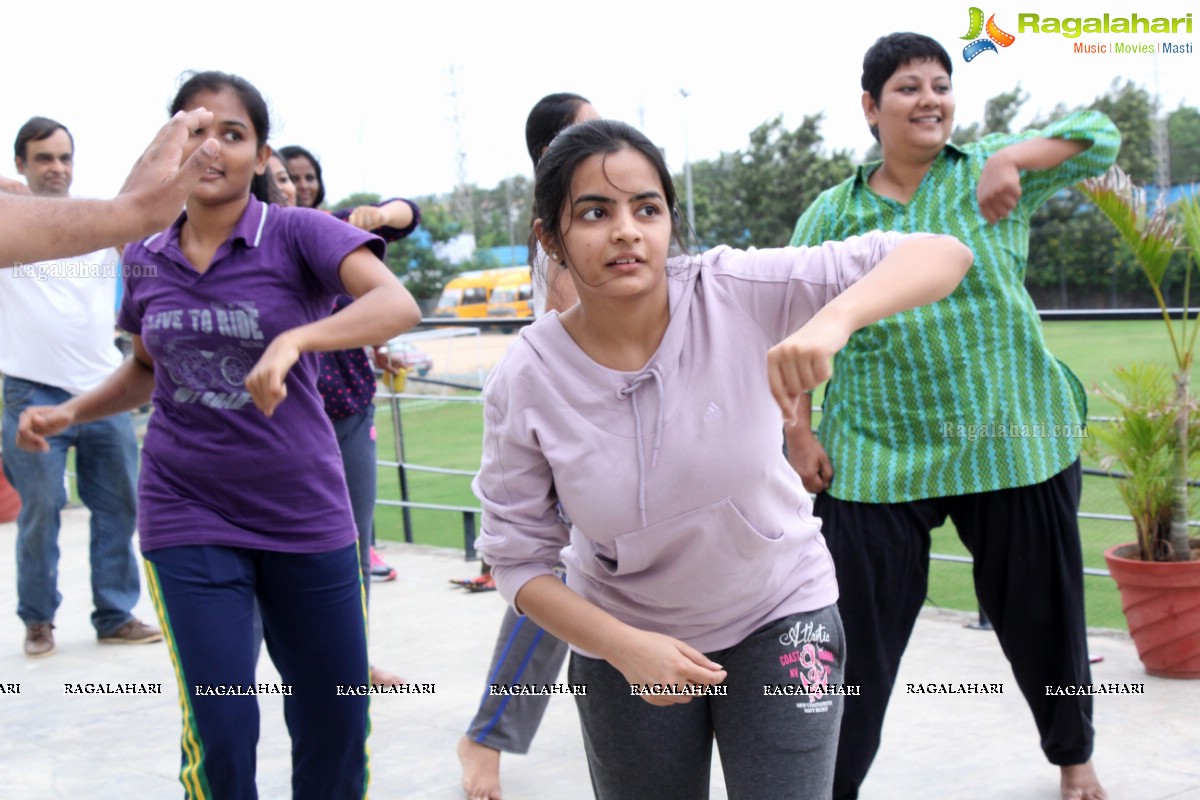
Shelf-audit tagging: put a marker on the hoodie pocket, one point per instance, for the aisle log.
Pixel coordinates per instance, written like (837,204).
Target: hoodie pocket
(706,563)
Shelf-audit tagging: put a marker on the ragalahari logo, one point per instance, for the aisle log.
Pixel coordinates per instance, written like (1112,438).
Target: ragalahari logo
(995,36)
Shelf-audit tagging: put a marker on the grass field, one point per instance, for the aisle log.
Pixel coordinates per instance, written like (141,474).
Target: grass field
(448,435)
(436,434)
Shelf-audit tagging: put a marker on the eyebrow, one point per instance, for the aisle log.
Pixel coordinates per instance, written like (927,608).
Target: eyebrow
(917,77)
(230,123)
(599,198)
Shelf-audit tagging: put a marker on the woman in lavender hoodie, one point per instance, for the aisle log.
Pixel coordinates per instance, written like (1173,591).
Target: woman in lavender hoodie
(700,598)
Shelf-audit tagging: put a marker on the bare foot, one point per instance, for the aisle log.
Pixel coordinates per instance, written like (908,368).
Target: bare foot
(382,676)
(1079,782)
(481,770)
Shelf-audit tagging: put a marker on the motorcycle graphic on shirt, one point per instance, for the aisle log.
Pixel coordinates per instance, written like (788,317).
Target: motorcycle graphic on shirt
(207,353)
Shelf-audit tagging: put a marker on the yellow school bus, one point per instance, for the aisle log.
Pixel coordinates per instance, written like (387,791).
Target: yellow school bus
(466,296)
(513,295)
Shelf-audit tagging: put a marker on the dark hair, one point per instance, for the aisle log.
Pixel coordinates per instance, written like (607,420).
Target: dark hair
(893,51)
(35,130)
(295,151)
(250,98)
(274,192)
(549,116)
(577,143)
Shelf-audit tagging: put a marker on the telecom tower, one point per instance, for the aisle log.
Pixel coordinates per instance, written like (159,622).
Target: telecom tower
(464,208)
(1162,147)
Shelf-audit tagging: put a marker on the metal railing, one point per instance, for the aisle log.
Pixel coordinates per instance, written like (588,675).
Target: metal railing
(403,467)
(470,526)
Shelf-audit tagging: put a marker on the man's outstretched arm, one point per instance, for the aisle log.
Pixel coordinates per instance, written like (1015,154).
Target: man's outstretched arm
(40,228)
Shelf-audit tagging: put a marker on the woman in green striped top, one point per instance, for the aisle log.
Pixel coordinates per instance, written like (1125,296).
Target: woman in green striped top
(955,410)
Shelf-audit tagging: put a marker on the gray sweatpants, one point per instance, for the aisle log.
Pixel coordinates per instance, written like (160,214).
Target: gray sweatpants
(524,654)
(775,742)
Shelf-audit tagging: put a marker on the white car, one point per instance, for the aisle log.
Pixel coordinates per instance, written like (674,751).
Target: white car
(413,359)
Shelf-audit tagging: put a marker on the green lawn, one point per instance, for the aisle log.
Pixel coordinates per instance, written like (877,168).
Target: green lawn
(1094,349)
(436,434)
(448,435)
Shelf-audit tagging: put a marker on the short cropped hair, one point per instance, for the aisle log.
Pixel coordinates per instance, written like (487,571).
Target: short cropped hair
(35,130)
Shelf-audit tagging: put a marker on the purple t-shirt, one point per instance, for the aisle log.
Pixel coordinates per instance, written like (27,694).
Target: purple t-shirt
(215,469)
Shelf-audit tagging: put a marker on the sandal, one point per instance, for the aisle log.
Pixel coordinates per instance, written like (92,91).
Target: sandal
(483,583)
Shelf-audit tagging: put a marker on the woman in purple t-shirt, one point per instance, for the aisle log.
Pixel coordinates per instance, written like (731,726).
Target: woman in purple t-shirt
(242,495)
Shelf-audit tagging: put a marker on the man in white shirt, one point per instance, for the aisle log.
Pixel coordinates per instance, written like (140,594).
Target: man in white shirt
(56,340)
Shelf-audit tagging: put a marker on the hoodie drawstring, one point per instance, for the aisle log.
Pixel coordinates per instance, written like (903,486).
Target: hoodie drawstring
(627,391)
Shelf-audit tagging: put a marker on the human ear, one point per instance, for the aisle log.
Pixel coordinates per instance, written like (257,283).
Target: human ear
(264,155)
(870,110)
(546,240)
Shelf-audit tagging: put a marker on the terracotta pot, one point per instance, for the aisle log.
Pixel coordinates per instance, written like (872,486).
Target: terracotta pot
(10,501)
(1161,601)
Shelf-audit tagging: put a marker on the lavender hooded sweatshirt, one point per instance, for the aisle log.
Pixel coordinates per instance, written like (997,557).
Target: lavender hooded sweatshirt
(685,517)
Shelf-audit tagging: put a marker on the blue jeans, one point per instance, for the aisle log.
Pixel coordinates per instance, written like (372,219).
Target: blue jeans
(106,461)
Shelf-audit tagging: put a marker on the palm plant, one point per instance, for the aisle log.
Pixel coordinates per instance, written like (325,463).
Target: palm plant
(1155,442)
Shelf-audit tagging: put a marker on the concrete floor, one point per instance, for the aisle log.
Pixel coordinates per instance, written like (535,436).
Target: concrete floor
(115,747)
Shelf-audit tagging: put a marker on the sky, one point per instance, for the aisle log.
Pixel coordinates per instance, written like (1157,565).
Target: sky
(374,92)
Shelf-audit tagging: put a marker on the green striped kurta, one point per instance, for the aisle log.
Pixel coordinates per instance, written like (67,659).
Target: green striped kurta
(960,396)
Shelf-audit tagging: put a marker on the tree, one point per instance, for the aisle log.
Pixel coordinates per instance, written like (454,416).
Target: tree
(355,200)
(502,213)
(1183,133)
(1074,261)
(998,114)
(1131,109)
(1001,110)
(413,258)
(752,197)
